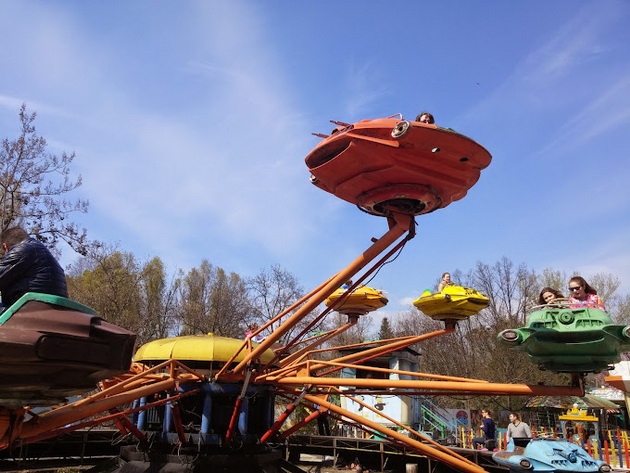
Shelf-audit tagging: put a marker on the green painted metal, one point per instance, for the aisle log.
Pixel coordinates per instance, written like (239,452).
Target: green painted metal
(433,420)
(570,340)
(47,298)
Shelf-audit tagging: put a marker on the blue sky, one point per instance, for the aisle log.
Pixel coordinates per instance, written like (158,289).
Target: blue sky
(191,121)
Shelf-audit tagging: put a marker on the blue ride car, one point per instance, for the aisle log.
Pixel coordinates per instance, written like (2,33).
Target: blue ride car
(548,455)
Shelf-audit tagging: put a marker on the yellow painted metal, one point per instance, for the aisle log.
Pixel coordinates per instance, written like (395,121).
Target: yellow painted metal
(362,300)
(195,347)
(576,414)
(454,302)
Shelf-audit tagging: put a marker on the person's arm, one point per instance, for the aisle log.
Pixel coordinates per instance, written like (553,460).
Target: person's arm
(528,432)
(508,434)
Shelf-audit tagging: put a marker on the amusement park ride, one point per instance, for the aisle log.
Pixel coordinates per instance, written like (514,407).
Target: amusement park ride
(206,397)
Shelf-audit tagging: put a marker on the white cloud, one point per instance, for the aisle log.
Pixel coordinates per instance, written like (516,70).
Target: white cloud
(233,158)
(196,136)
(576,43)
(365,87)
(607,111)
(10,103)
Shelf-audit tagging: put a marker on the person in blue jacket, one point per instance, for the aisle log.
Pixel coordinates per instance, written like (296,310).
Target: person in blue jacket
(28,266)
(489,432)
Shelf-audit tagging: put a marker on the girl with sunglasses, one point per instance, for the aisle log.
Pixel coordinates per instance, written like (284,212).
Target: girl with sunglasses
(583,295)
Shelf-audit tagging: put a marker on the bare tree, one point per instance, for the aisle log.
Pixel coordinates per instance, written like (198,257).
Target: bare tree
(554,279)
(271,292)
(32,185)
(212,301)
(159,301)
(607,285)
(124,292)
(623,310)
(452,354)
(510,289)
(111,287)
(358,333)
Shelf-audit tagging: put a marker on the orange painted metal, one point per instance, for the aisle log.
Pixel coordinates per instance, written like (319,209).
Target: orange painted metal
(402,224)
(383,347)
(277,425)
(396,344)
(352,318)
(177,421)
(404,427)
(247,343)
(125,391)
(414,374)
(297,355)
(448,458)
(126,426)
(309,418)
(495,389)
(389,159)
(114,417)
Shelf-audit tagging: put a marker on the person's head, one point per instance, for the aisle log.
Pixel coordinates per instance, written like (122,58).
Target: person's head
(549,295)
(12,236)
(425,117)
(514,417)
(485,413)
(579,288)
(446,277)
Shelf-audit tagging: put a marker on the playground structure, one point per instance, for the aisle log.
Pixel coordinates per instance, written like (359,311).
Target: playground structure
(181,396)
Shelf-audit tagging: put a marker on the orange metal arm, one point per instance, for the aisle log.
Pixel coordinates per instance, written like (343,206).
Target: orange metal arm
(451,386)
(307,349)
(277,317)
(401,226)
(55,419)
(413,374)
(396,344)
(313,415)
(404,427)
(126,390)
(332,307)
(454,462)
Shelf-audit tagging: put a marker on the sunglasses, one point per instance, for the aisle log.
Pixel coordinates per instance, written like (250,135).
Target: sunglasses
(575,288)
